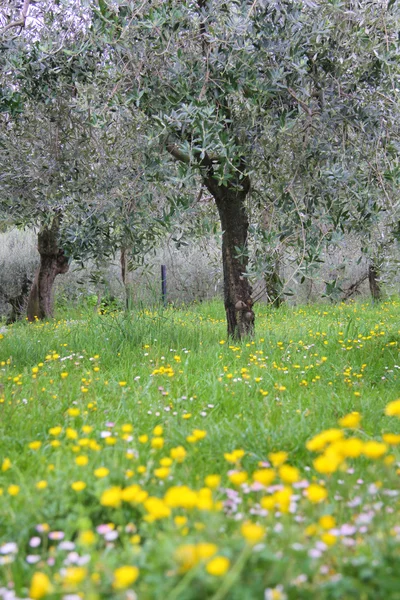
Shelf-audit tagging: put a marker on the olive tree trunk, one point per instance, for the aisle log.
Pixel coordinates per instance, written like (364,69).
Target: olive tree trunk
(374,284)
(53,262)
(230,201)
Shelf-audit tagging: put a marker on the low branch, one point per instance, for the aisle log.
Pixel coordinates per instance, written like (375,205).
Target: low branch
(303,105)
(22,19)
(352,289)
(177,153)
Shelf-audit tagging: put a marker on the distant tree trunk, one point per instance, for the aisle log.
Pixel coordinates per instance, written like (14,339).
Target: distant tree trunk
(273,285)
(374,284)
(18,303)
(53,262)
(230,201)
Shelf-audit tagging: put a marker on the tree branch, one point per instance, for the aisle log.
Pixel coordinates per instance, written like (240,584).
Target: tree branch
(22,19)
(176,153)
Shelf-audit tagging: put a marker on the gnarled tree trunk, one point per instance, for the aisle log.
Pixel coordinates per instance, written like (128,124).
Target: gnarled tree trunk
(230,201)
(53,262)
(374,285)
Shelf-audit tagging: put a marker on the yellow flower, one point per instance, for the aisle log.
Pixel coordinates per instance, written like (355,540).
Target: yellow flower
(252,532)
(212,481)
(122,383)
(101,472)
(186,556)
(166,461)
(329,539)
(316,493)
(40,586)
(393,408)
(162,472)
(73,412)
(264,476)
(64,374)
(78,486)
(374,449)
(71,433)
(206,550)
(234,456)
(238,477)
(157,443)
(55,430)
(289,474)
(327,522)
(218,566)
(351,421)
(74,575)
(158,430)
(278,458)
(391,438)
(143,439)
(181,496)
(125,576)
(199,434)
(127,428)
(351,448)
(178,454)
(111,497)
(13,490)
(321,440)
(156,508)
(35,445)
(81,460)
(87,537)
(6,464)
(327,463)
(41,485)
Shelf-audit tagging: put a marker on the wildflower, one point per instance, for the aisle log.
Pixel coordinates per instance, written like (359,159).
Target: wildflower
(74,575)
(35,445)
(316,493)
(143,439)
(238,477)
(181,496)
(162,472)
(235,456)
(6,464)
(393,408)
(264,476)
(327,522)
(71,433)
(205,550)
(73,412)
(276,593)
(351,421)
(252,532)
(156,508)
(212,481)
(327,463)
(127,428)
(158,431)
(186,556)
(278,458)
(87,537)
(374,449)
(218,566)
(157,443)
(101,472)
(122,383)
(78,486)
(329,539)
(81,460)
(125,576)
(178,454)
(199,434)
(321,440)
(289,474)
(40,586)
(391,438)
(13,490)
(41,485)
(111,497)
(351,448)
(55,431)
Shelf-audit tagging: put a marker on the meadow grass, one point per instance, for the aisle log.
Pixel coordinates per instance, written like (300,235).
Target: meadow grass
(161,400)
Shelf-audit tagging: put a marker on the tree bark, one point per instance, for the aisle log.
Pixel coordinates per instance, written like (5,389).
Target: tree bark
(53,262)
(230,201)
(374,285)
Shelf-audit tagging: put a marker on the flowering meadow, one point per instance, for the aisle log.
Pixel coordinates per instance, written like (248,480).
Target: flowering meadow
(147,456)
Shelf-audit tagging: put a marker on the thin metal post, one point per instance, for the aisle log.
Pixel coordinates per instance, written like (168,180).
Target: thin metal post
(164,284)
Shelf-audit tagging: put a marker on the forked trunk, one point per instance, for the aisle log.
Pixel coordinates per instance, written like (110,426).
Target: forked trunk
(231,207)
(53,262)
(374,285)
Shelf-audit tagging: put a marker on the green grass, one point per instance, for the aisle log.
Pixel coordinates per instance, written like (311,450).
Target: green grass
(306,368)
